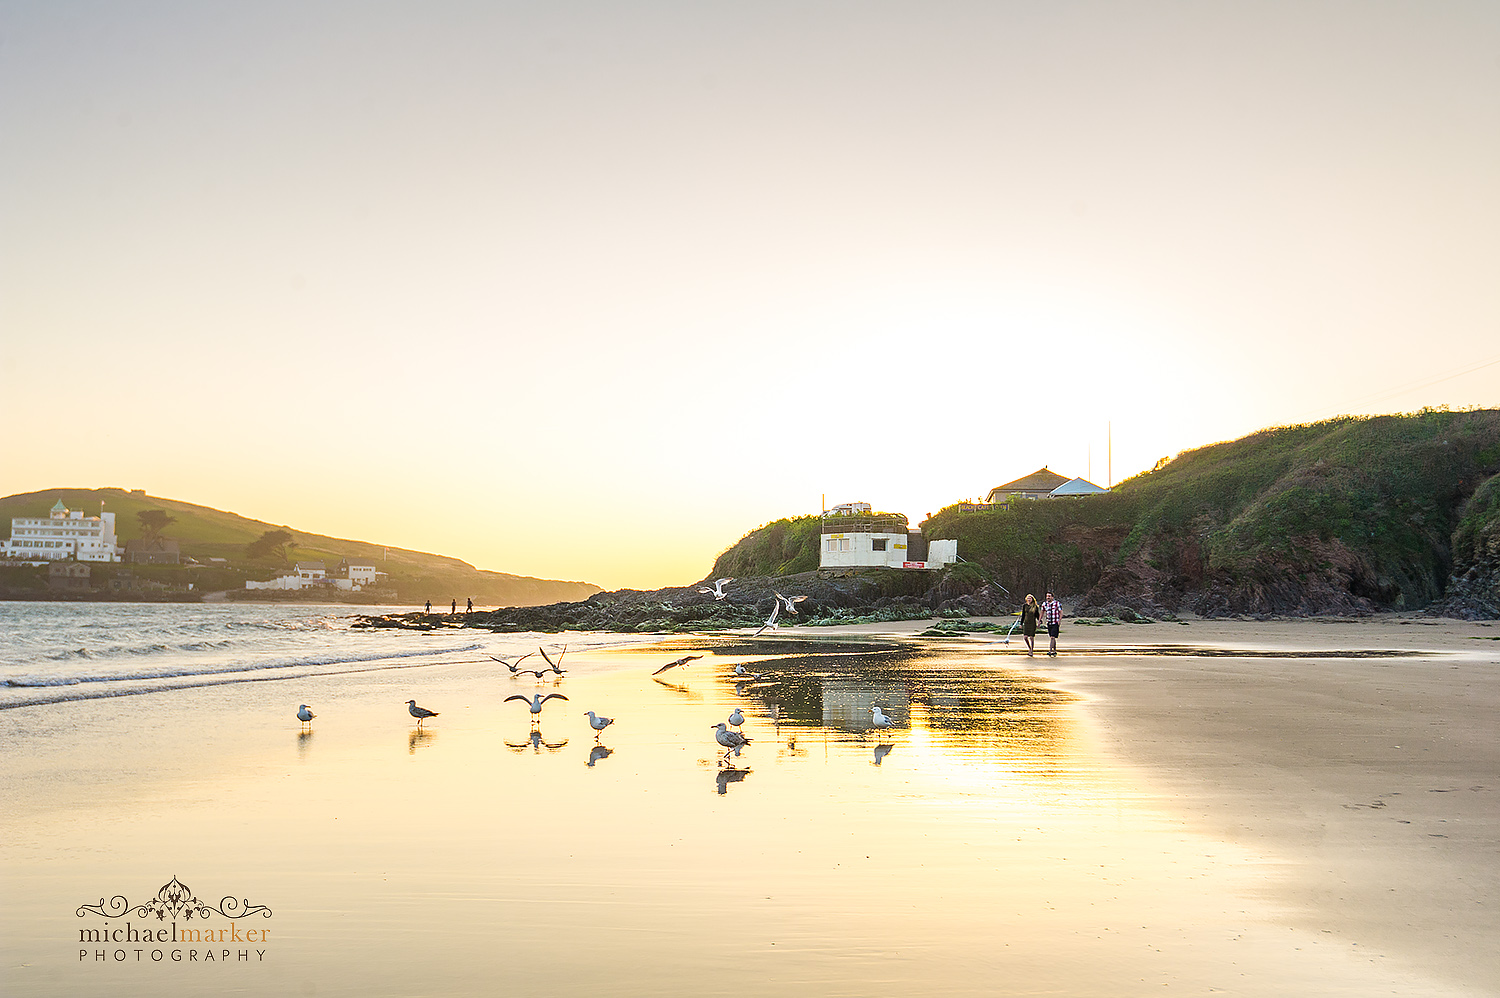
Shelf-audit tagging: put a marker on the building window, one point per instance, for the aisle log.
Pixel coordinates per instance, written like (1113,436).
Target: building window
(878,544)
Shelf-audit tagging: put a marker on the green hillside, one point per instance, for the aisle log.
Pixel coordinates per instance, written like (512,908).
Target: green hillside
(204,533)
(1347,514)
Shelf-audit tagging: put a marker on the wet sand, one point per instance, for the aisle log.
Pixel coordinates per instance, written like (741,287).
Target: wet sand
(1098,824)
(1376,779)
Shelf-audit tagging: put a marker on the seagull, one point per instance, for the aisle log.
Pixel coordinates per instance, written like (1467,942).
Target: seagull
(535,701)
(732,741)
(599,723)
(672,665)
(878,718)
(556,666)
(771,620)
(718,589)
(740,672)
(788,601)
(512,666)
(538,673)
(420,713)
(737,719)
(304,715)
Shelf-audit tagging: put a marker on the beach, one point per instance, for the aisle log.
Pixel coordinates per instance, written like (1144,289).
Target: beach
(1255,808)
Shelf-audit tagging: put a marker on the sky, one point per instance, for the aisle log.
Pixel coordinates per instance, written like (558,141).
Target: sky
(588,290)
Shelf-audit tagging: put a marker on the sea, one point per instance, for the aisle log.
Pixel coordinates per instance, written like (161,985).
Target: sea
(51,652)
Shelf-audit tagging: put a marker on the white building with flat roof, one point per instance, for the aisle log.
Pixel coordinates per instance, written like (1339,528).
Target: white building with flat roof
(64,535)
(879,540)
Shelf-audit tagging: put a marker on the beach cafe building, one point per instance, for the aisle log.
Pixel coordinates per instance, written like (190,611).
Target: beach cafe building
(864,539)
(64,535)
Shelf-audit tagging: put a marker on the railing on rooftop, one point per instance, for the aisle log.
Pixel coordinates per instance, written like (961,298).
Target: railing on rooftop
(884,523)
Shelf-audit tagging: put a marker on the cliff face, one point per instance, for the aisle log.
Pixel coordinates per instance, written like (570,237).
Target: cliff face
(1474,587)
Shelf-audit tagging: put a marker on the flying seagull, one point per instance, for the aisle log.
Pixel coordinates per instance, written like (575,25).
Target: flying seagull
(599,723)
(789,601)
(672,665)
(556,666)
(420,713)
(732,741)
(771,620)
(535,702)
(718,589)
(512,666)
(304,715)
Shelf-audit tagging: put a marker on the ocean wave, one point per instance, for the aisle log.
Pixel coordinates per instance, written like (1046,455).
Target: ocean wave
(229,669)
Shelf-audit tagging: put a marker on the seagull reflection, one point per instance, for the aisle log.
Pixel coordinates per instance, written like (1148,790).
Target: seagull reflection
(881,751)
(678,689)
(728,775)
(536,743)
(304,741)
(419,738)
(599,752)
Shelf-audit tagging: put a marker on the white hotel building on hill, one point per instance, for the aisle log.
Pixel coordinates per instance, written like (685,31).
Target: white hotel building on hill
(65,535)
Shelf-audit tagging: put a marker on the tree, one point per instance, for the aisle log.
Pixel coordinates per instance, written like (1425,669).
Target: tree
(277,543)
(153,522)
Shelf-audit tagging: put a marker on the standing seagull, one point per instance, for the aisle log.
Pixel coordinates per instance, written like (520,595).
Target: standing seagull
(732,741)
(737,718)
(878,718)
(718,589)
(672,665)
(599,724)
(420,713)
(535,701)
(304,715)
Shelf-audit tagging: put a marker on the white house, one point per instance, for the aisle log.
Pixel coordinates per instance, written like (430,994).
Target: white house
(356,572)
(64,535)
(350,575)
(880,541)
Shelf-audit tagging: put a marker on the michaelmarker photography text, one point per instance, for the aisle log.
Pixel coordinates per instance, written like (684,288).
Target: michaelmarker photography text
(173,936)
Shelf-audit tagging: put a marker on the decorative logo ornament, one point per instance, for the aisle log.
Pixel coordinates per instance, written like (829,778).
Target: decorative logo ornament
(174,900)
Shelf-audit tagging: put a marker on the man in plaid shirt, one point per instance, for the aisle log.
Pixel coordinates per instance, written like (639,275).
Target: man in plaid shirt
(1052,617)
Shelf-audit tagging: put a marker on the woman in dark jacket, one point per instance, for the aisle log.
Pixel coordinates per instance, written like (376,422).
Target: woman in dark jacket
(1030,614)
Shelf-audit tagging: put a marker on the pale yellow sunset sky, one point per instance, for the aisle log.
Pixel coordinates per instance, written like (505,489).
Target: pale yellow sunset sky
(588,290)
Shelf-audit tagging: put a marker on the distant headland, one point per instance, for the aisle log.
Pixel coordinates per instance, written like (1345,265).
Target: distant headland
(167,550)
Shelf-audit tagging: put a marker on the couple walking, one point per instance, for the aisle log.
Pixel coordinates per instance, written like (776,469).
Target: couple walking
(1049,613)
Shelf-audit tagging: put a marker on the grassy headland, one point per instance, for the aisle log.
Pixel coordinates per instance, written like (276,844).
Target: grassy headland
(204,534)
(1349,514)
